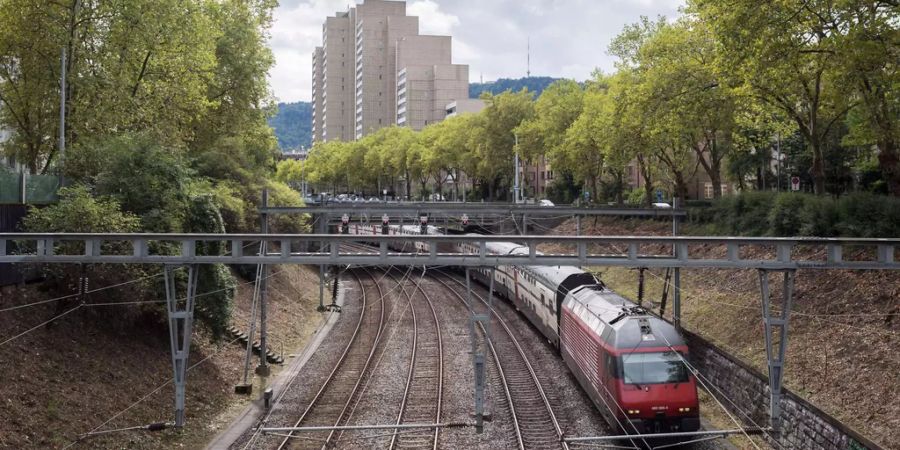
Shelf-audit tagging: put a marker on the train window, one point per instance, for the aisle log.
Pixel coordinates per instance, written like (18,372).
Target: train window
(611,366)
(649,368)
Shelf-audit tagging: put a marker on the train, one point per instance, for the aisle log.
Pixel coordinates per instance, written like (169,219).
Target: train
(631,363)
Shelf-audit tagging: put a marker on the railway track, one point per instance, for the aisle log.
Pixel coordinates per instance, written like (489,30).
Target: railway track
(423,394)
(332,405)
(534,422)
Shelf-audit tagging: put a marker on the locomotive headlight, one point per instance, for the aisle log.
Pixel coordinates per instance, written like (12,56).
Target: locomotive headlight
(684,409)
(634,411)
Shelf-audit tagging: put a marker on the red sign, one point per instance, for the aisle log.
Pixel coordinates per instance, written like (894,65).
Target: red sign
(795,183)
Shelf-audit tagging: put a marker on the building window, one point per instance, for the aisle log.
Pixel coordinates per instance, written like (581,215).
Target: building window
(707,190)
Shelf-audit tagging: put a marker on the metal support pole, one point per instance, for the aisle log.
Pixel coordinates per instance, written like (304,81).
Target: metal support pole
(181,321)
(321,289)
(776,322)
(641,286)
(263,368)
(676,275)
(477,357)
(516,185)
(578,225)
(524,224)
(62,116)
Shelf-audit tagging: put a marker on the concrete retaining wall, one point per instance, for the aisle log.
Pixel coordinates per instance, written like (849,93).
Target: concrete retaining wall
(804,425)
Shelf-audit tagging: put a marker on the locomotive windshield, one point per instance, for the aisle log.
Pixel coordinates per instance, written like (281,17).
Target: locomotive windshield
(653,368)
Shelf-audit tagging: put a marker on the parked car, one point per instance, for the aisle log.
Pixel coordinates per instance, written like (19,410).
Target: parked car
(545,202)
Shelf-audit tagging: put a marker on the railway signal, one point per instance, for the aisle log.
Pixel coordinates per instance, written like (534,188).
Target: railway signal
(465,220)
(423,224)
(345,224)
(385,220)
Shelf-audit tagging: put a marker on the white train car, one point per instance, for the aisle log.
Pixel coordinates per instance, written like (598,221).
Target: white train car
(536,291)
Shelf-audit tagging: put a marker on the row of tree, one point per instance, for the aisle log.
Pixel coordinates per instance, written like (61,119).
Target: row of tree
(715,90)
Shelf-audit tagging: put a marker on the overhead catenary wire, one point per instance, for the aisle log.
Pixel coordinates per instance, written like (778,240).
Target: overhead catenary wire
(701,378)
(58,316)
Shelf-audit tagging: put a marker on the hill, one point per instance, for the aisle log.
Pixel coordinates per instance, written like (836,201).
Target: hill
(534,84)
(293,125)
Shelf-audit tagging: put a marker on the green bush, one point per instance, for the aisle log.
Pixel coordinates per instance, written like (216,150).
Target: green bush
(214,281)
(79,212)
(793,214)
(636,197)
(868,215)
(784,216)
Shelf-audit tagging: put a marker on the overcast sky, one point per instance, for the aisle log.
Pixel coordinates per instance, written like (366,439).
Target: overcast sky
(568,37)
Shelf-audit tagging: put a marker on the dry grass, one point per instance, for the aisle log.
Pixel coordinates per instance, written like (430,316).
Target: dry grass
(62,381)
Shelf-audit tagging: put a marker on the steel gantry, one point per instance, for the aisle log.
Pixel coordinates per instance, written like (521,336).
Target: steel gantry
(787,256)
(623,251)
(453,212)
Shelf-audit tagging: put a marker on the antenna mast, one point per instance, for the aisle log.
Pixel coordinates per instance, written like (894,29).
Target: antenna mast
(528,63)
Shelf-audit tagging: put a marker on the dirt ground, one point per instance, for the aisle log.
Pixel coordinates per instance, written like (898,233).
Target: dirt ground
(90,367)
(844,330)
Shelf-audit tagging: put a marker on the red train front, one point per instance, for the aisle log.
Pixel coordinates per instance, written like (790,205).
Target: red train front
(631,363)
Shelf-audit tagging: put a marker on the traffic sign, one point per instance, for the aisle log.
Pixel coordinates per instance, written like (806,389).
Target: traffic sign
(659,195)
(423,220)
(795,183)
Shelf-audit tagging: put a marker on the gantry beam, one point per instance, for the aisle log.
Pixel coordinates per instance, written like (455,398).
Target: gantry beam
(376,210)
(627,251)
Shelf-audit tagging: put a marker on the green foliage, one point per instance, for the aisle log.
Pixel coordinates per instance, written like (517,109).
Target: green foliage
(148,180)
(293,125)
(793,214)
(532,84)
(281,194)
(637,197)
(189,73)
(784,216)
(79,212)
(214,309)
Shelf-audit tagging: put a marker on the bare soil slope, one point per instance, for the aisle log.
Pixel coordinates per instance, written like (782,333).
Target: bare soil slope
(844,332)
(68,379)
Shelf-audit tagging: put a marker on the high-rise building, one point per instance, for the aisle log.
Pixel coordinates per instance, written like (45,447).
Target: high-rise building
(375,70)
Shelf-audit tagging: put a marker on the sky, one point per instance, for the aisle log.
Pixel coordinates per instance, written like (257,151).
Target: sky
(568,37)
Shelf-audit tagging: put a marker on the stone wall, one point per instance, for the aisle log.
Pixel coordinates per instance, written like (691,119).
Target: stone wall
(804,425)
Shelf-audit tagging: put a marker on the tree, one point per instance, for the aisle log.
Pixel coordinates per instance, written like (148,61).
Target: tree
(190,73)
(503,113)
(785,54)
(867,37)
(692,107)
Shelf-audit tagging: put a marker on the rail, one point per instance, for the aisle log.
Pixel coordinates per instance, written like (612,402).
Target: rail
(772,253)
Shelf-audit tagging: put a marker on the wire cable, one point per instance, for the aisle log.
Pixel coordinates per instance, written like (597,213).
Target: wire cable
(40,325)
(158,388)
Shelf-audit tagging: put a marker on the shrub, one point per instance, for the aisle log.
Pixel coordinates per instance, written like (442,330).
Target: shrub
(784,216)
(79,212)
(636,197)
(214,281)
(792,214)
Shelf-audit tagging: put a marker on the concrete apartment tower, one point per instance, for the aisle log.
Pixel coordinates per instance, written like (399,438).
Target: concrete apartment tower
(356,88)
